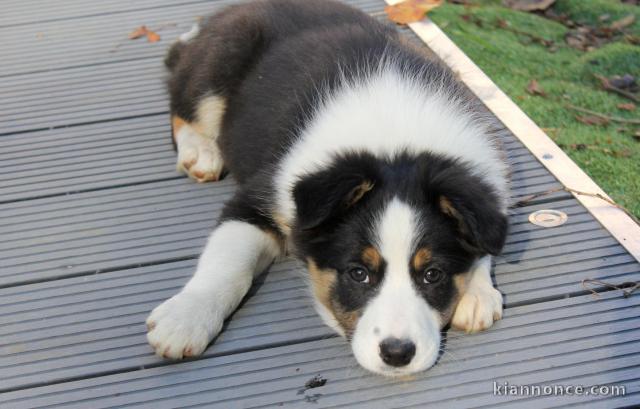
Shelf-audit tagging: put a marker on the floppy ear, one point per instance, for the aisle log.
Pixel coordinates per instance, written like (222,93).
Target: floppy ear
(482,225)
(329,194)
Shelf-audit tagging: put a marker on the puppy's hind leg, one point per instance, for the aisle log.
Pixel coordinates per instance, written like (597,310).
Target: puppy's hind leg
(207,65)
(197,142)
(480,304)
(185,324)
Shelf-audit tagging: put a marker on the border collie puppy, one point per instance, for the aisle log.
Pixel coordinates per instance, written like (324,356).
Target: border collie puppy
(353,151)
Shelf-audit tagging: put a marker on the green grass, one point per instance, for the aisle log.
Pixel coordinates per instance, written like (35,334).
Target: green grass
(566,75)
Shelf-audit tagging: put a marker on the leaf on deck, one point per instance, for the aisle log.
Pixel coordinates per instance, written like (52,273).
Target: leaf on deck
(152,36)
(141,31)
(410,11)
(138,32)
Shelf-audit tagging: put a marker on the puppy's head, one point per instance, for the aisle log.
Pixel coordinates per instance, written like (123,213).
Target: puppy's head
(388,243)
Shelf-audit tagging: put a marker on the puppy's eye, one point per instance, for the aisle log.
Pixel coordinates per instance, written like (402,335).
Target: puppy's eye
(432,276)
(359,275)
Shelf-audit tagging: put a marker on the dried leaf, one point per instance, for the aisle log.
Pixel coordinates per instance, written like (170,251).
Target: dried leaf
(528,5)
(623,22)
(577,146)
(410,11)
(592,120)
(632,39)
(636,135)
(152,36)
(580,40)
(627,107)
(138,32)
(534,89)
(624,153)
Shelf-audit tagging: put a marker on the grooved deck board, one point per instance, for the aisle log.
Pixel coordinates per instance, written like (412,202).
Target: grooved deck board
(139,150)
(587,341)
(87,325)
(97,227)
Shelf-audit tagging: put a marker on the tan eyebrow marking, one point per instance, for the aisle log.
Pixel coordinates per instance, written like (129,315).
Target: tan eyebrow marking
(372,258)
(421,258)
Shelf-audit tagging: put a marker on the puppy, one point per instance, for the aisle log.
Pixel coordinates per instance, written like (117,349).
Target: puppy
(352,149)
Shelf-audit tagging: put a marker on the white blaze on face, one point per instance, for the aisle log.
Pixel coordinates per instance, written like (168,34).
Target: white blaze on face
(398,310)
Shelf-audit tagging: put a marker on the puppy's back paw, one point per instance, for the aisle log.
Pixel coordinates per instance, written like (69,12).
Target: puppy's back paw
(198,156)
(183,325)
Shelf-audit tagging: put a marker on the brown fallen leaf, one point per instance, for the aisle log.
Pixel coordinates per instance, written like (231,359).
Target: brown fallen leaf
(632,39)
(410,11)
(636,135)
(623,22)
(627,107)
(579,146)
(472,18)
(534,89)
(592,120)
(528,5)
(152,36)
(623,153)
(138,32)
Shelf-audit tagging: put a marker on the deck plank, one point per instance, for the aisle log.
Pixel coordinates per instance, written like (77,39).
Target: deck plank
(57,237)
(581,339)
(86,326)
(102,39)
(139,150)
(24,12)
(92,324)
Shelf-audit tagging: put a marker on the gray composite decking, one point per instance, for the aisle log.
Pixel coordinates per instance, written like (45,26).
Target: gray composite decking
(96,228)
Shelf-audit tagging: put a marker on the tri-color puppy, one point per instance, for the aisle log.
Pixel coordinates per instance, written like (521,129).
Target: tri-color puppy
(353,151)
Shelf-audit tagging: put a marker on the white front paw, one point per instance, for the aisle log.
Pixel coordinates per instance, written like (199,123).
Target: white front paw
(183,325)
(478,308)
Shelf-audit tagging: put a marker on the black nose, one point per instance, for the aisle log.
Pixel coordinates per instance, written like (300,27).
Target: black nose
(397,352)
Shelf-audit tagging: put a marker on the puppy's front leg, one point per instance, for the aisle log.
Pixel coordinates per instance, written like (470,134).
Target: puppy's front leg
(185,324)
(481,304)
